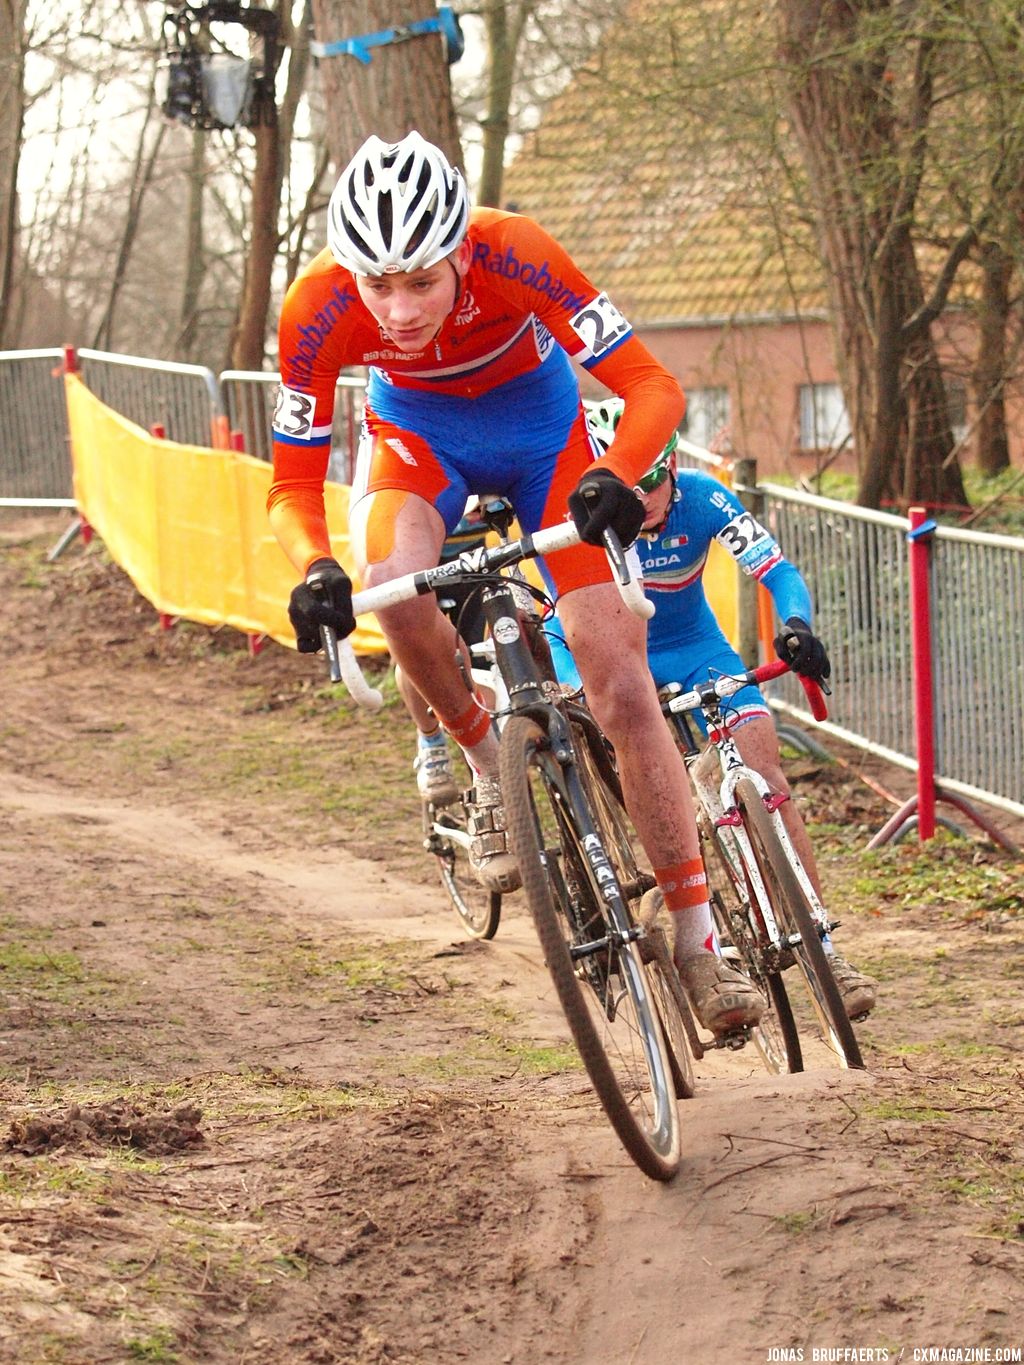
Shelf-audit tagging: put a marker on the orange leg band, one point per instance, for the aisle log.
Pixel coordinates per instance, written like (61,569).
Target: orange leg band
(471,728)
(683,885)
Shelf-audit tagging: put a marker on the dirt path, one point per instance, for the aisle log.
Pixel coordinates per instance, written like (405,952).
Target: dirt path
(261,1102)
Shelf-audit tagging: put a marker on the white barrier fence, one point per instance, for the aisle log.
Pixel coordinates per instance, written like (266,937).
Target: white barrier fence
(855,562)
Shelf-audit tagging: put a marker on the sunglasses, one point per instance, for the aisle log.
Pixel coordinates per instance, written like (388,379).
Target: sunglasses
(653,479)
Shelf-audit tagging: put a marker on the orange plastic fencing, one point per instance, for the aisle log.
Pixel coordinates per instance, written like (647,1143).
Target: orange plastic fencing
(189,524)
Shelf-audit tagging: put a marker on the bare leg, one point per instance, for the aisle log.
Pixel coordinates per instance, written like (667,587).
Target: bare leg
(610,648)
(421,639)
(423,717)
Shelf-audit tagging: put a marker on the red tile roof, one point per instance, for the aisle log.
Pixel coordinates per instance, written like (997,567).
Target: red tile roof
(676,234)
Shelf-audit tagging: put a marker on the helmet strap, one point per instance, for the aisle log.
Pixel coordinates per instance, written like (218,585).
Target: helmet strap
(458,285)
(653,531)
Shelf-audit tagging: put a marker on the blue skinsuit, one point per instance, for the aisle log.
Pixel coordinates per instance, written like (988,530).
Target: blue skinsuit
(685,643)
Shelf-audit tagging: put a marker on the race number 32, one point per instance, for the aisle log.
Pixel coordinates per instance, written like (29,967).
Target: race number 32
(293,413)
(599,325)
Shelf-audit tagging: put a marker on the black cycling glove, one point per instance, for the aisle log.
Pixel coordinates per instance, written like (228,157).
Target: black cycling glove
(324,599)
(602,500)
(797,644)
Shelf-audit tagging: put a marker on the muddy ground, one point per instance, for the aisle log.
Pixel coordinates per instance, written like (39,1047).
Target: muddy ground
(262,1102)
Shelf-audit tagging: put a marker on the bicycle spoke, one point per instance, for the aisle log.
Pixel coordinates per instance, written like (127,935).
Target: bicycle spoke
(598,972)
(797,922)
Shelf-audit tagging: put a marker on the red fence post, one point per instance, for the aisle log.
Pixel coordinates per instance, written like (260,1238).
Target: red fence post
(920,537)
(920,809)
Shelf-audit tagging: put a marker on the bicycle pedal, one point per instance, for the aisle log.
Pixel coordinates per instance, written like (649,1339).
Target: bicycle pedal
(734,1041)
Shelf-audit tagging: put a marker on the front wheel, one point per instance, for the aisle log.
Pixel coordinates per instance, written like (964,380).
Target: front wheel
(745,945)
(798,926)
(595,963)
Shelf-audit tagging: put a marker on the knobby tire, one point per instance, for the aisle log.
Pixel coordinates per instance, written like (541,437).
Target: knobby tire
(795,917)
(606,996)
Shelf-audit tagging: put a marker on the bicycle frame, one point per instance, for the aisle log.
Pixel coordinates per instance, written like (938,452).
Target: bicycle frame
(529,693)
(514,662)
(719,799)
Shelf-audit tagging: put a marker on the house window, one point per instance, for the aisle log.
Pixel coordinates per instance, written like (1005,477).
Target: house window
(824,422)
(707,411)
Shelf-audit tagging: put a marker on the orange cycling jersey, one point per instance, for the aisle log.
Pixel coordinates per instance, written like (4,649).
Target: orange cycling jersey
(522,299)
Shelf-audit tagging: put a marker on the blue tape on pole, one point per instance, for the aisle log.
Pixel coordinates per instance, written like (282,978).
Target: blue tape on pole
(445,22)
(927,528)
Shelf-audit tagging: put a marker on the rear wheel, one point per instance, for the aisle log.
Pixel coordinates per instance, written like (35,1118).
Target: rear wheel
(478,910)
(826,1018)
(596,966)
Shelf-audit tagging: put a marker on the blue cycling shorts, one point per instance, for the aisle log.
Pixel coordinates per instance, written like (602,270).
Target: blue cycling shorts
(688,667)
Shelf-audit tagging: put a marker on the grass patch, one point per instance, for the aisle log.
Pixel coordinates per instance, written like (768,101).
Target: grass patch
(48,973)
(487,1052)
(796,1222)
(946,875)
(359,970)
(905,1111)
(158,1345)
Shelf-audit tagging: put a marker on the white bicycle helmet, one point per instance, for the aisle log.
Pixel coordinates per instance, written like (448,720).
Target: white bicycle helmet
(603,417)
(398,206)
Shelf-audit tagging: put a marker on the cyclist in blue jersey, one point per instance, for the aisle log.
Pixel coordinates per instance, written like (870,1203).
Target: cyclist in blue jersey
(684,511)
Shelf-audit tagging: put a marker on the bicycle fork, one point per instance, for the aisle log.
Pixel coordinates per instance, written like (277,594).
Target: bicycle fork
(605,939)
(739,851)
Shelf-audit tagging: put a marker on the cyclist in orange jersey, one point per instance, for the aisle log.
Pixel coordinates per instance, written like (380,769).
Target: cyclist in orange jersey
(467,322)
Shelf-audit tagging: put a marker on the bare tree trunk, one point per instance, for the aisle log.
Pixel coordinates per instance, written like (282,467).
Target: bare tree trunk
(250,331)
(142,174)
(405,85)
(990,366)
(273,142)
(195,264)
(504,35)
(864,185)
(12,112)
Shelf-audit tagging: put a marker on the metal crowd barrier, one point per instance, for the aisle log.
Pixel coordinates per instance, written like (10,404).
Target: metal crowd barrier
(186,401)
(182,399)
(855,562)
(978,646)
(249,397)
(35,466)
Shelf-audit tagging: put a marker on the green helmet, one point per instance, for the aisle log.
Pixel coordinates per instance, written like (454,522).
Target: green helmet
(602,416)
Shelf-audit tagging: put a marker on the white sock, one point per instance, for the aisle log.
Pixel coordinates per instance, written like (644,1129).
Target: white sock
(694,931)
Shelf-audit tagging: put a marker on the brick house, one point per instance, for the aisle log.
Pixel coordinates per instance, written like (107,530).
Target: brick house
(690,252)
